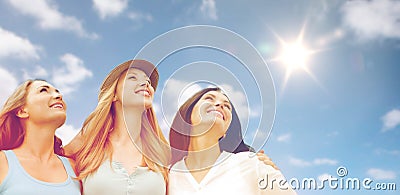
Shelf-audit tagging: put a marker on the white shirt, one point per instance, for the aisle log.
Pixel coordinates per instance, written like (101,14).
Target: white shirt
(240,173)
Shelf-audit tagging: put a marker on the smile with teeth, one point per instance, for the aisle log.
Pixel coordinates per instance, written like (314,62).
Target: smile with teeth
(217,113)
(57,106)
(144,92)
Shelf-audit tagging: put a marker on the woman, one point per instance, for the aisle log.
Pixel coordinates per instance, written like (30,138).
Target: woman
(30,153)
(118,156)
(202,162)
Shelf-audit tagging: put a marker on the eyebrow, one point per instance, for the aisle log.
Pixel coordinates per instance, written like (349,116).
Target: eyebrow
(45,86)
(226,101)
(136,73)
(48,87)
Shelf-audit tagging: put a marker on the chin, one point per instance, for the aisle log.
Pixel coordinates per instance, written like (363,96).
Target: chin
(60,121)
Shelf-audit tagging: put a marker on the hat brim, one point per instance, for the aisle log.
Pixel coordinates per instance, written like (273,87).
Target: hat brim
(147,67)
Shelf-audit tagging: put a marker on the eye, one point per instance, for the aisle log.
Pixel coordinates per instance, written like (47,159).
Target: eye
(43,90)
(132,77)
(228,106)
(208,98)
(148,81)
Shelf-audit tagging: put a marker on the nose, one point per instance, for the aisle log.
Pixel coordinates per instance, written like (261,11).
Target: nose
(218,104)
(57,96)
(144,83)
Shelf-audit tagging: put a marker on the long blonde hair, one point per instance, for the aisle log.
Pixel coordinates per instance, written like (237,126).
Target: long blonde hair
(97,146)
(12,132)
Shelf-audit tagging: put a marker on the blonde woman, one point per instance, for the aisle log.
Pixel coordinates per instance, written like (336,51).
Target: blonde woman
(30,153)
(118,156)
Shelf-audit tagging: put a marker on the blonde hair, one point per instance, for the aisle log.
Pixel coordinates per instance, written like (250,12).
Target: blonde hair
(97,145)
(12,131)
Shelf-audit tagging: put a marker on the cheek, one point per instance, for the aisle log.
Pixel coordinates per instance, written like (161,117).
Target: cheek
(195,116)
(228,122)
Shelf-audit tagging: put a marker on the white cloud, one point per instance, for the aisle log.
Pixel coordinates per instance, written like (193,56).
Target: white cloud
(209,9)
(380,151)
(372,19)
(330,37)
(139,16)
(14,46)
(325,161)
(391,120)
(174,94)
(324,177)
(67,78)
(299,162)
(38,73)
(380,174)
(8,83)
(318,161)
(109,8)
(66,133)
(48,17)
(284,138)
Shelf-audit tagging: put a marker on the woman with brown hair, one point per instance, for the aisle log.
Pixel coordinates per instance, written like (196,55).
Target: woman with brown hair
(31,159)
(121,149)
(205,138)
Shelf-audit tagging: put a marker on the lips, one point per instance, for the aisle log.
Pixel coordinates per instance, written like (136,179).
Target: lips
(57,105)
(217,113)
(145,92)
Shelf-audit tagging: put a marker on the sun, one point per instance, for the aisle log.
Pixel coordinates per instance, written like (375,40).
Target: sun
(294,56)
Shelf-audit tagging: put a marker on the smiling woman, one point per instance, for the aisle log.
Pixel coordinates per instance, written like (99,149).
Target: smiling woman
(201,164)
(29,150)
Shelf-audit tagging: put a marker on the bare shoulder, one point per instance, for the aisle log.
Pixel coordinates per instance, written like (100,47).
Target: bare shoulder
(3,166)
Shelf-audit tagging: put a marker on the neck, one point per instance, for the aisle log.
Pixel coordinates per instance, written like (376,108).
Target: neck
(38,141)
(127,131)
(203,151)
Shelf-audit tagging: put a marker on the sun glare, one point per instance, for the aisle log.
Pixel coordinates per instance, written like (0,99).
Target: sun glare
(294,56)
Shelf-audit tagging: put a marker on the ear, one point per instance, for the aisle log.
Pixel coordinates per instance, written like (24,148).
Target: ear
(22,113)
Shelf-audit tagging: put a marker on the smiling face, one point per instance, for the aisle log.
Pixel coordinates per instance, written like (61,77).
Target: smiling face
(135,89)
(44,104)
(212,110)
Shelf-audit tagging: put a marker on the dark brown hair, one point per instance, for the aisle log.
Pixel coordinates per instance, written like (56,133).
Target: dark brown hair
(179,134)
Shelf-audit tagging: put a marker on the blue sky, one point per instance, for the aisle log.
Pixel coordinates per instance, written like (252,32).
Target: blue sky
(341,108)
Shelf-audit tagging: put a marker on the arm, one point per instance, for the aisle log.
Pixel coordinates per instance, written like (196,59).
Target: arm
(73,146)
(3,166)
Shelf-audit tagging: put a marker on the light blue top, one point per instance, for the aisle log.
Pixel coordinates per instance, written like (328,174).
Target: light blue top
(19,182)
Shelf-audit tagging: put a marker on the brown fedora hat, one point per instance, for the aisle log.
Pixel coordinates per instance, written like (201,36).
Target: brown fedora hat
(146,66)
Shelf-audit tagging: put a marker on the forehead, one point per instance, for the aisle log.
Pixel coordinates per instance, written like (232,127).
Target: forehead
(217,94)
(37,84)
(136,71)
